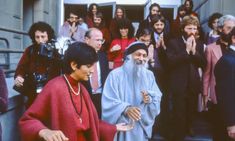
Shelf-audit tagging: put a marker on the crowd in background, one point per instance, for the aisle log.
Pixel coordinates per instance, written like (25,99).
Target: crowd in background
(181,57)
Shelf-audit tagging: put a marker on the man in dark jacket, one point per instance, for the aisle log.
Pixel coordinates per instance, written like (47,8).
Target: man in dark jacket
(225,89)
(94,38)
(185,56)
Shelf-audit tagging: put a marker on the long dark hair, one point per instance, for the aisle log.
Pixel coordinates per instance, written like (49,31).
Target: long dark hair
(123,10)
(126,23)
(90,14)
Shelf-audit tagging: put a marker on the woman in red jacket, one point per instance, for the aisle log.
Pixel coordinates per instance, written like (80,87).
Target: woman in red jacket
(64,111)
(118,45)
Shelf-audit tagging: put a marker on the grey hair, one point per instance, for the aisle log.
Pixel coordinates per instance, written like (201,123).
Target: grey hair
(225,18)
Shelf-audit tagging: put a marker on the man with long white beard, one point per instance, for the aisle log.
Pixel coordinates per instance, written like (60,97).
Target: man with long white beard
(131,95)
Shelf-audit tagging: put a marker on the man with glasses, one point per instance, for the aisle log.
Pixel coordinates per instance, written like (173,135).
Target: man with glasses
(94,38)
(72,29)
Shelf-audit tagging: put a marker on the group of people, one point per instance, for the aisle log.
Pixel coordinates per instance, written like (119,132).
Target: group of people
(107,73)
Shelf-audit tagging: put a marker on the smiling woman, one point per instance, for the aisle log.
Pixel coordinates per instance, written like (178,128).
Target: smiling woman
(64,110)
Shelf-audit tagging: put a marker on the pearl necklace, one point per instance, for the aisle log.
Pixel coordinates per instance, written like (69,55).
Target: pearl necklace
(71,88)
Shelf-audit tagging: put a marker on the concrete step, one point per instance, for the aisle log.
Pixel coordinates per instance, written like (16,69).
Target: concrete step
(187,138)
(201,130)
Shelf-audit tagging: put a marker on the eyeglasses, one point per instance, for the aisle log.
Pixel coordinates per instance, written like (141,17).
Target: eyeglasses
(100,40)
(73,17)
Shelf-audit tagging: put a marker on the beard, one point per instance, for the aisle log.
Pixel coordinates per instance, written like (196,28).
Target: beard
(136,71)
(186,36)
(97,25)
(137,68)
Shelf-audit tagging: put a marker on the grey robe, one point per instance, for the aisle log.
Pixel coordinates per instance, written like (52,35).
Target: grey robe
(122,89)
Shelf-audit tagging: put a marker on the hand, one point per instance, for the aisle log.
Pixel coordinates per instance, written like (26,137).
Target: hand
(150,51)
(134,113)
(152,62)
(111,64)
(115,48)
(205,100)
(73,28)
(193,46)
(146,98)
(189,44)
(162,43)
(19,81)
(52,135)
(158,44)
(231,131)
(124,126)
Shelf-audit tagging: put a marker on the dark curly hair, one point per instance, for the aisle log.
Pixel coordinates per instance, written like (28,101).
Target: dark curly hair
(125,23)
(43,27)
(212,18)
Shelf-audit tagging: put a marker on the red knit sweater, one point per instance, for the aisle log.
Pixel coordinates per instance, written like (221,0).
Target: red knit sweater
(117,56)
(53,109)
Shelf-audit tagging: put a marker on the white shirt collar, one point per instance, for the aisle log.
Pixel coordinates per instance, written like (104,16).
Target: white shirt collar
(232,47)
(157,36)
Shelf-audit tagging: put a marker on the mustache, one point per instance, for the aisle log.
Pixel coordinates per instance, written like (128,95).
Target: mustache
(195,35)
(140,62)
(192,34)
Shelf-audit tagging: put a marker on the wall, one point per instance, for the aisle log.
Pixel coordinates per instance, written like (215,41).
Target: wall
(125,2)
(20,15)
(212,6)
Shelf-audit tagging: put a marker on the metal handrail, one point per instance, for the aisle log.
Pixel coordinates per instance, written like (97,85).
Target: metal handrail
(8,50)
(11,50)
(13,30)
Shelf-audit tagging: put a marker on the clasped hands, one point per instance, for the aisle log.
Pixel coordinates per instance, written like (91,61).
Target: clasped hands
(19,81)
(133,112)
(191,45)
(160,42)
(73,29)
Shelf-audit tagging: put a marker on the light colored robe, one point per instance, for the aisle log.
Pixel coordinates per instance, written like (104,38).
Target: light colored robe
(123,89)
